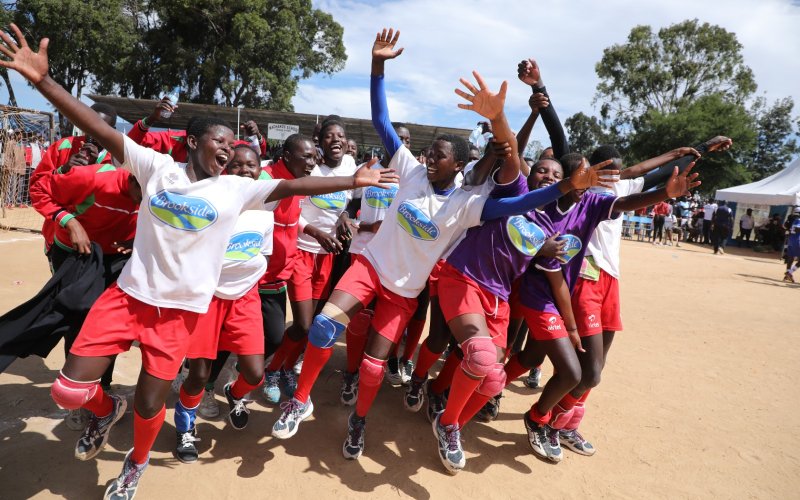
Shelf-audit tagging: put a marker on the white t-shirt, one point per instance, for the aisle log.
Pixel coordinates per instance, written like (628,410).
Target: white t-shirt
(669,221)
(421,226)
(708,211)
(245,260)
(183,229)
(605,242)
(375,203)
(323,210)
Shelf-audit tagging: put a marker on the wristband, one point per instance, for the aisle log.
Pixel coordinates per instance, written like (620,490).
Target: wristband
(143,123)
(63,217)
(59,171)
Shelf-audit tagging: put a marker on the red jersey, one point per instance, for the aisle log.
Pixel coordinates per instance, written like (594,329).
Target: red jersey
(57,154)
(96,195)
(287,215)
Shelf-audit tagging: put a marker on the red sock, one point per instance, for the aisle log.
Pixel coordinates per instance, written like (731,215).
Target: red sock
(568,402)
(100,404)
(315,359)
(538,417)
(145,431)
(514,369)
(445,376)
(425,360)
(413,333)
(461,389)
(241,387)
(356,335)
(585,395)
(287,345)
(190,401)
(473,406)
(294,354)
(370,376)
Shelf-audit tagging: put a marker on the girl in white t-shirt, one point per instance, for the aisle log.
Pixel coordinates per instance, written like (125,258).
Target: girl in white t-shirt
(185,220)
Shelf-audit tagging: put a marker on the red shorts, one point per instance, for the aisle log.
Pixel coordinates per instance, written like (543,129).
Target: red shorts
(311,276)
(392,311)
(433,280)
(596,305)
(544,325)
(116,319)
(229,325)
(465,296)
(513,299)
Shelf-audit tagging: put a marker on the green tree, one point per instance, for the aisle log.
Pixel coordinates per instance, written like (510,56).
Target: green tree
(692,123)
(775,145)
(586,133)
(230,52)
(665,70)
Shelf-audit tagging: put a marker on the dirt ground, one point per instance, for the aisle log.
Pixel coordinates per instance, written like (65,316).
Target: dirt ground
(699,399)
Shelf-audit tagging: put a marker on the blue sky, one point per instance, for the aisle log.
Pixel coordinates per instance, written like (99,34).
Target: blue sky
(447,39)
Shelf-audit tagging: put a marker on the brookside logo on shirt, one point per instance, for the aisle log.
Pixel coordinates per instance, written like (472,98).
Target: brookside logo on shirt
(189,213)
(244,246)
(416,223)
(330,201)
(525,235)
(572,247)
(380,198)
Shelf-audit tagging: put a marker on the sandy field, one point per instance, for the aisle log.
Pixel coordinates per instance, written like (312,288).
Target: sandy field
(699,400)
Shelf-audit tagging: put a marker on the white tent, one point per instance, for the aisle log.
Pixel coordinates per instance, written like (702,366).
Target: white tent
(782,188)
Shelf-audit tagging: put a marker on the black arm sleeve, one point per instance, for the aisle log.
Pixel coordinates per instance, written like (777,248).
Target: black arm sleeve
(663,173)
(558,139)
(353,207)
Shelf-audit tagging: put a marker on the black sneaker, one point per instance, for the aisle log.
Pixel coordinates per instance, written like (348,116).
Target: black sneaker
(185,450)
(353,446)
(124,487)
(414,397)
(95,435)
(490,410)
(534,378)
(239,413)
(436,402)
(349,392)
(393,375)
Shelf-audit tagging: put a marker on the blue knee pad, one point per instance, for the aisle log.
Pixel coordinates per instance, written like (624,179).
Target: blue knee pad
(324,331)
(184,418)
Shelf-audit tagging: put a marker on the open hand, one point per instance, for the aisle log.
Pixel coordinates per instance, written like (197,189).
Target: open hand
(679,184)
(482,100)
(328,242)
(585,176)
(383,48)
(33,66)
(528,72)
(367,176)
(345,228)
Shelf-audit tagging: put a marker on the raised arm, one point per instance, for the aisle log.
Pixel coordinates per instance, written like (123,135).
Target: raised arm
(383,49)
(663,172)
(536,102)
(490,105)
(33,66)
(651,164)
(528,72)
(678,184)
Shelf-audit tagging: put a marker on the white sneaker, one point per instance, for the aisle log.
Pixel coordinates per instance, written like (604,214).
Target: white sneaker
(298,366)
(209,408)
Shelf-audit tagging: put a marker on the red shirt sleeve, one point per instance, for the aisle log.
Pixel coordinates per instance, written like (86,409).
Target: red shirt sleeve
(55,156)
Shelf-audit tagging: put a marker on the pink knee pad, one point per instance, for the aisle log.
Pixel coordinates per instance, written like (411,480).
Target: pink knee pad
(71,395)
(577,416)
(480,356)
(494,382)
(561,417)
(370,373)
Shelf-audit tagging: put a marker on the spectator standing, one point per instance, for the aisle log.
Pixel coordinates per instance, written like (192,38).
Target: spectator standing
(722,223)
(708,217)
(746,224)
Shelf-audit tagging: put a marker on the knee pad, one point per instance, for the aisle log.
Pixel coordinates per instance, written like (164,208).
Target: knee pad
(561,417)
(370,373)
(327,326)
(480,356)
(577,415)
(70,394)
(494,381)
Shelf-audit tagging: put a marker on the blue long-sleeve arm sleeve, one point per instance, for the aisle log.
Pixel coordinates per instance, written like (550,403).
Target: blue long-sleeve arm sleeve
(380,115)
(496,208)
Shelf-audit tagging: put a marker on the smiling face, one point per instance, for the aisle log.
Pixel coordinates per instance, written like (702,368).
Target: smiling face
(245,163)
(333,142)
(352,148)
(441,164)
(300,158)
(211,151)
(544,173)
(404,135)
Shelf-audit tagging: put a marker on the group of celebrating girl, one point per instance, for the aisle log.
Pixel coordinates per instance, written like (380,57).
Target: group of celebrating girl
(501,240)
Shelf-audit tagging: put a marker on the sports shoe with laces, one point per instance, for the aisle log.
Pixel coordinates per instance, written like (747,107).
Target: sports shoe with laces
(788,277)
(76,419)
(490,410)
(534,378)
(436,402)
(450,452)
(554,445)
(239,413)
(124,487)
(209,408)
(406,369)
(393,375)
(573,440)
(414,394)
(349,392)
(353,446)
(539,439)
(289,380)
(272,387)
(95,435)
(185,450)
(298,365)
(292,413)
